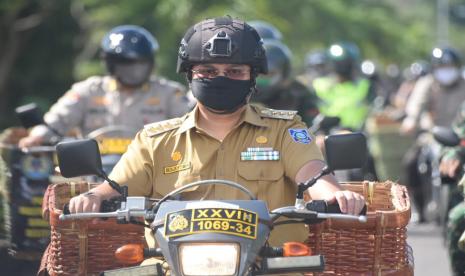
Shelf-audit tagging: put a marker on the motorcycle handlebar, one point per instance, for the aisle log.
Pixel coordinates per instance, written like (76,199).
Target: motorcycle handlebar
(322,206)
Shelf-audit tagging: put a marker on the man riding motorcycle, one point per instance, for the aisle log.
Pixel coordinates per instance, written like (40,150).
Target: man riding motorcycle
(128,96)
(278,90)
(434,100)
(224,137)
(344,93)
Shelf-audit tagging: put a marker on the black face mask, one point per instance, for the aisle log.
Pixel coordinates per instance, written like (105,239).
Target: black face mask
(133,74)
(221,94)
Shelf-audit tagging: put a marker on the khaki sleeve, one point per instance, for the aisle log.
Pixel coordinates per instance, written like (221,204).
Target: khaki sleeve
(418,100)
(66,113)
(135,167)
(298,148)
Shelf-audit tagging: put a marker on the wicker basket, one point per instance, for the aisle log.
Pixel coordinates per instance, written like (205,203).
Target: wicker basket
(82,247)
(378,247)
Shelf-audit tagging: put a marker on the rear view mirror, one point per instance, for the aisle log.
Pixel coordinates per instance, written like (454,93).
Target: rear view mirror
(29,115)
(79,158)
(446,136)
(346,151)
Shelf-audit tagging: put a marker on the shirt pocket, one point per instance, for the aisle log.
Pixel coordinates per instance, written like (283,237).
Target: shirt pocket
(261,170)
(263,178)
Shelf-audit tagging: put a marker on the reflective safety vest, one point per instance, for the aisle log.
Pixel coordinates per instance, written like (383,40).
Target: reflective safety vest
(346,100)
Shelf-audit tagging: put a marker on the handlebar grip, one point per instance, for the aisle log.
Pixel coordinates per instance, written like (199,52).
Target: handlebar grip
(335,209)
(105,206)
(322,206)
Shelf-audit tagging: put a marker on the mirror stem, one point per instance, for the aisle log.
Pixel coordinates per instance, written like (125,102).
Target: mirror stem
(56,132)
(122,190)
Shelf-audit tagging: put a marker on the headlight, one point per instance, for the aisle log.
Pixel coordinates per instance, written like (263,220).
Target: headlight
(209,258)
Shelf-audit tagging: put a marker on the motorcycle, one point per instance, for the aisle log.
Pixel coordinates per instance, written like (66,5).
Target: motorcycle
(436,186)
(26,174)
(113,139)
(215,237)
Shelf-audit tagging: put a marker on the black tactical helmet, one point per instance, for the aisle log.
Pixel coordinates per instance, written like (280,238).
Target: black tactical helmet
(445,56)
(266,30)
(222,40)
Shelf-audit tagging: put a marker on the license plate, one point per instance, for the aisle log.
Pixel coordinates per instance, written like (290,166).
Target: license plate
(238,222)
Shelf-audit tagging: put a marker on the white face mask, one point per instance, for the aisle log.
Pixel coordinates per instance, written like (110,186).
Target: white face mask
(447,75)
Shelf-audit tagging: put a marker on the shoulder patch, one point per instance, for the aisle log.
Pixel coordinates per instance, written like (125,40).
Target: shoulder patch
(277,114)
(162,126)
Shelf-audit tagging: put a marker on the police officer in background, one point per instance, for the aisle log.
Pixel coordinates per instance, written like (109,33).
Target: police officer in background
(434,100)
(128,96)
(278,90)
(222,58)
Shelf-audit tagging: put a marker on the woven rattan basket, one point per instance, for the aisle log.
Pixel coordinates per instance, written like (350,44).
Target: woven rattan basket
(82,247)
(378,247)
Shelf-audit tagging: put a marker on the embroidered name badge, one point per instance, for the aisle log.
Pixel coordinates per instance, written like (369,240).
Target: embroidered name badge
(177,168)
(300,135)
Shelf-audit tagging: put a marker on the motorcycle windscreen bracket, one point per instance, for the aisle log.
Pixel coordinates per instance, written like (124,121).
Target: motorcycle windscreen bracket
(238,222)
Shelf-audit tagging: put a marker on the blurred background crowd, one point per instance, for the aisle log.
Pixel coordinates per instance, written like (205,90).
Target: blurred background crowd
(392,69)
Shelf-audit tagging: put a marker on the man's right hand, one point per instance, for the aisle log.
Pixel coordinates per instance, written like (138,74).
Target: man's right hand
(449,167)
(87,202)
(30,141)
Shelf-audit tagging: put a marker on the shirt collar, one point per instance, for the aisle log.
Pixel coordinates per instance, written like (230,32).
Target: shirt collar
(250,116)
(189,122)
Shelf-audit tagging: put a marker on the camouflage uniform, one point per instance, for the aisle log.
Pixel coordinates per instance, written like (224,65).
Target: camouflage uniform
(456,222)
(97,102)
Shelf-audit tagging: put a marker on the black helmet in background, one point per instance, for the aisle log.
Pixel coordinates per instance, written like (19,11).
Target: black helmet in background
(344,58)
(446,63)
(129,53)
(279,69)
(441,56)
(417,69)
(316,59)
(266,30)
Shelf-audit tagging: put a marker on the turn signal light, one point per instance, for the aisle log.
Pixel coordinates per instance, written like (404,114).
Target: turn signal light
(130,254)
(295,249)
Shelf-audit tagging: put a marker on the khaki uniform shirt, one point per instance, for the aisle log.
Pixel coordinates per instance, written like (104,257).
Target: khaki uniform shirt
(170,154)
(97,102)
(431,104)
